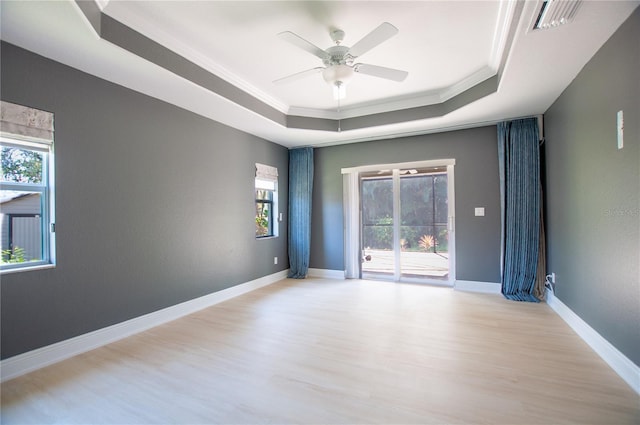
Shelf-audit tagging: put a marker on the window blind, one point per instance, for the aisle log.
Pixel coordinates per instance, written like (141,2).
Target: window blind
(266,172)
(31,127)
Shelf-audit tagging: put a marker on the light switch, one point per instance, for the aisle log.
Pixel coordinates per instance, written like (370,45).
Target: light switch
(479,211)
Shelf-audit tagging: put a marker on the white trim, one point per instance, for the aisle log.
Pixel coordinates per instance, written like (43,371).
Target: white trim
(102,4)
(412,164)
(134,19)
(20,141)
(628,371)
(424,281)
(369,108)
(414,100)
(352,207)
(39,120)
(467,83)
(27,268)
(475,286)
(506,14)
(326,273)
(451,199)
(45,356)
(397,219)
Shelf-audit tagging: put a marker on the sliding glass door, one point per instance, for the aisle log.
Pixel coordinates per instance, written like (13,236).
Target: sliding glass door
(378,239)
(424,232)
(406,224)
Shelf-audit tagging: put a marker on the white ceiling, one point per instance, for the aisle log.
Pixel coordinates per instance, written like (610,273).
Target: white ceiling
(245,44)
(447,47)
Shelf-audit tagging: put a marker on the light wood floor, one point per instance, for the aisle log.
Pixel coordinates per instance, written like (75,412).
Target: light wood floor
(325,351)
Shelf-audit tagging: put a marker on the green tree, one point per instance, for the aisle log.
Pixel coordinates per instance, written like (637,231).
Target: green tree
(15,255)
(262,221)
(21,165)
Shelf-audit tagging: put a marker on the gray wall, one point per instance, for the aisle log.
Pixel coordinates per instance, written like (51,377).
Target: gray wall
(593,192)
(476,185)
(154,206)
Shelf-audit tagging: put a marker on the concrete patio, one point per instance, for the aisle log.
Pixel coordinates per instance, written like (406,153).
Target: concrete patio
(412,263)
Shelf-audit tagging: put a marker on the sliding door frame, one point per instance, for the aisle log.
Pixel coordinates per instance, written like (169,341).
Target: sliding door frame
(353,214)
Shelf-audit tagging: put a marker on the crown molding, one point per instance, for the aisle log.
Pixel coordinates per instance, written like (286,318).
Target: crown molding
(154,32)
(466,83)
(398,103)
(501,37)
(102,4)
(369,108)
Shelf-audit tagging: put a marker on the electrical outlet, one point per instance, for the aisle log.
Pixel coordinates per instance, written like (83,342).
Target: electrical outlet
(275,260)
(553,278)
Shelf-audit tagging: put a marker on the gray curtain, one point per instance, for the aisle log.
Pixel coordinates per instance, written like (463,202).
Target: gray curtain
(300,192)
(519,162)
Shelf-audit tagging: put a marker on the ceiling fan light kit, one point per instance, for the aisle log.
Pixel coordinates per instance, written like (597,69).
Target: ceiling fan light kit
(337,76)
(338,60)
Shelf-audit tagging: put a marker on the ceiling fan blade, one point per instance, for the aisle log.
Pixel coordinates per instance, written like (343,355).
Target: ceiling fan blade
(297,75)
(384,32)
(296,40)
(381,71)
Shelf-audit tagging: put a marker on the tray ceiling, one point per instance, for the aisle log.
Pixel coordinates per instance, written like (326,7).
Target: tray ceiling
(469,63)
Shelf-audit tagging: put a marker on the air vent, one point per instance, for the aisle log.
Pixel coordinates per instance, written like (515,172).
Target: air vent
(554,13)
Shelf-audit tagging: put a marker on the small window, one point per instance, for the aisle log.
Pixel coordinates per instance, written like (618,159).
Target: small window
(26,200)
(266,199)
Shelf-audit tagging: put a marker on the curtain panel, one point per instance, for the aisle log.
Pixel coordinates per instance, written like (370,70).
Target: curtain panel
(300,193)
(522,252)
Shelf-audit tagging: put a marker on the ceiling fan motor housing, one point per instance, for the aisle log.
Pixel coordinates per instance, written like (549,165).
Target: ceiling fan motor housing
(338,55)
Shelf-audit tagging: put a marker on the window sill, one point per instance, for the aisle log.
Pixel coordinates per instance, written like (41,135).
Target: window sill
(262,238)
(28,268)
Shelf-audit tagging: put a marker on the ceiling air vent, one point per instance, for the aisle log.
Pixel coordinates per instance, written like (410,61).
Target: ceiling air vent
(554,13)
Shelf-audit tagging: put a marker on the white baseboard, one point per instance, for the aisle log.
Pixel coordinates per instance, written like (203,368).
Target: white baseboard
(326,273)
(24,363)
(473,286)
(620,363)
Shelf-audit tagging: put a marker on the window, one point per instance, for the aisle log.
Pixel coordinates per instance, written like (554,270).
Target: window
(26,196)
(266,197)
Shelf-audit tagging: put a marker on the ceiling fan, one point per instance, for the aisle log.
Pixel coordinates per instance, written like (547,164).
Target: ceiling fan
(338,60)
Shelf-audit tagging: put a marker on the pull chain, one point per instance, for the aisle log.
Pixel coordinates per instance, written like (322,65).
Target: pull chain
(339,129)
